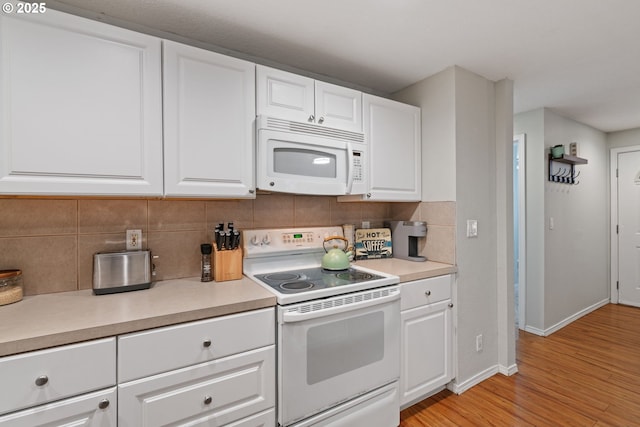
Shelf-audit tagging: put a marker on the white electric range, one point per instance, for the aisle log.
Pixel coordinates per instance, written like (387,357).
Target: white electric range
(338,332)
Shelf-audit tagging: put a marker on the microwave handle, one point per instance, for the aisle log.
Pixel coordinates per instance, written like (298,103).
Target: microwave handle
(349,168)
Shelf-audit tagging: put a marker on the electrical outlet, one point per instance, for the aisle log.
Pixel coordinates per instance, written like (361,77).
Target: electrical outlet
(134,240)
(479,343)
(366,224)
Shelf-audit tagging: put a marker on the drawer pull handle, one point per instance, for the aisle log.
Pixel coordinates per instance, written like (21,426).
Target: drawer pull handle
(42,380)
(206,343)
(104,404)
(428,293)
(450,305)
(208,400)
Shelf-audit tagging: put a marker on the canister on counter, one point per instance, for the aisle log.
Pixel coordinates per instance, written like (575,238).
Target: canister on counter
(10,286)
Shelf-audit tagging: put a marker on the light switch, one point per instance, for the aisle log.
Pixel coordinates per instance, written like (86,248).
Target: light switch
(472,228)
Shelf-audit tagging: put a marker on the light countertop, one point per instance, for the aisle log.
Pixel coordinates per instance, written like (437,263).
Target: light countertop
(48,320)
(408,270)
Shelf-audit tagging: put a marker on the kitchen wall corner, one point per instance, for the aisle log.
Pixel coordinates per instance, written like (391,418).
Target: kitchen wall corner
(439,245)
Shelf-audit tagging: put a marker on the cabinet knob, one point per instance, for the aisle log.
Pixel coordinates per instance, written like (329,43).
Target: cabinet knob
(206,343)
(271,184)
(321,120)
(104,404)
(368,195)
(428,293)
(208,400)
(450,305)
(311,118)
(42,380)
(251,191)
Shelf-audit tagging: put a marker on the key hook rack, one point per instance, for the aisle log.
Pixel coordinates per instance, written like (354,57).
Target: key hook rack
(567,174)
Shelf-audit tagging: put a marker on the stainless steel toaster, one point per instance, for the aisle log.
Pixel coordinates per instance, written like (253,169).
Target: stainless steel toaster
(121,271)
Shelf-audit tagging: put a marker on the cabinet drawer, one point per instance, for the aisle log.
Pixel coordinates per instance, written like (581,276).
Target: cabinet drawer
(424,291)
(263,419)
(97,409)
(212,393)
(159,350)
(37,377)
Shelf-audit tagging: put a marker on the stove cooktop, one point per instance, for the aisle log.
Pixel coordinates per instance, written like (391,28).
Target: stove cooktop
(288,261)
(311,279)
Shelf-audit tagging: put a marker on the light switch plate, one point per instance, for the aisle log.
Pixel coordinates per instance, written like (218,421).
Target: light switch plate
(472,228)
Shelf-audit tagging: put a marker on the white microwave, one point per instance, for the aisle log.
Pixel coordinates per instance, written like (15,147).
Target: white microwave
(305,158)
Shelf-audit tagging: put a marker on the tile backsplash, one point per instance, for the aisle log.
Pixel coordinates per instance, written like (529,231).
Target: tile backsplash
(53,240)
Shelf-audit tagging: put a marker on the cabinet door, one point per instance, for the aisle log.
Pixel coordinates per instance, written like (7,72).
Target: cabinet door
(209,115)
(427,351)
(338,107)
(34,378)
(97,409)
(80,107)
(284,95)
(392,130)
(212,393)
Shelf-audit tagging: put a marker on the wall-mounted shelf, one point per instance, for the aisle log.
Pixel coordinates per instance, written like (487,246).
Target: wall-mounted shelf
(565,175)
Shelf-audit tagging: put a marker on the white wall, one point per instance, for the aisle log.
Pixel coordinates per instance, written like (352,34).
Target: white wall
(624,138)
(459,137)
(572,277)
(532,125)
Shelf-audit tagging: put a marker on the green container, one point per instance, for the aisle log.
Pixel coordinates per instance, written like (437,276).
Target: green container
(557,151)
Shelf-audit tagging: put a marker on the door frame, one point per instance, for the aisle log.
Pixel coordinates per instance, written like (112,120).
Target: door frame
(521,141)
(613,170)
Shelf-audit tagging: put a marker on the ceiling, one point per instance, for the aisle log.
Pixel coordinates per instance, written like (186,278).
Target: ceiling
(580,58)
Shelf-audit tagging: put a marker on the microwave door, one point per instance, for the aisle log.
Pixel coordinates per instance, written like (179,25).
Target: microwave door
(304,165)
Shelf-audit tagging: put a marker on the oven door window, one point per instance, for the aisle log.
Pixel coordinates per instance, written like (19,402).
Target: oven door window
(302,162)
(359,341)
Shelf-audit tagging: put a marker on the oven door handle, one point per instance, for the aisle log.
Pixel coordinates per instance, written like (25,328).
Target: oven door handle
(316,309)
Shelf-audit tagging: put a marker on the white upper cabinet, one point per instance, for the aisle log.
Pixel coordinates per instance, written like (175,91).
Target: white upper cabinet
(209,116)
(292,97)
(392,130)
(80,107)
(284,95)
(338,107)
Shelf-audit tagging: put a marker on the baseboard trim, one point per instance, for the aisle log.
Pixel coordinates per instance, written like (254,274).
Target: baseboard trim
(508,370)
(568,320)
(459,388)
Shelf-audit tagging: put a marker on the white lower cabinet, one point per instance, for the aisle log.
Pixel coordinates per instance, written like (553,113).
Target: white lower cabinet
(213,372)
(97,409)
(72,385)
(213,393)
(427,338)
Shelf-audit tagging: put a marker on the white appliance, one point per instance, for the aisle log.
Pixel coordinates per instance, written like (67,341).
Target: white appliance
(338,332)
(306,158)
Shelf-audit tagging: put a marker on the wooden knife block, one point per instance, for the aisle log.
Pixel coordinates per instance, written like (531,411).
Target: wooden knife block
(227,265)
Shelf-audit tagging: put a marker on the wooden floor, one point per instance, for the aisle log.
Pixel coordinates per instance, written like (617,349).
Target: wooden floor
(586,374)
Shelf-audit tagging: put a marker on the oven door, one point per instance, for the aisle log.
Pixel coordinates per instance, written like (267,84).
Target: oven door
(308,164)
(335,349)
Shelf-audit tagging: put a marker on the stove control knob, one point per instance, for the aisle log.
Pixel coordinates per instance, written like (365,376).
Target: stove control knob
(266,239)
(255,240)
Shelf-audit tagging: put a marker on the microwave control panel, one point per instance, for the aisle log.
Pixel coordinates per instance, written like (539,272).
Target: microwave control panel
(357,166)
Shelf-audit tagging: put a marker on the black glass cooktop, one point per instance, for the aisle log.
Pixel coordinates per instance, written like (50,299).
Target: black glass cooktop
(309,279)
